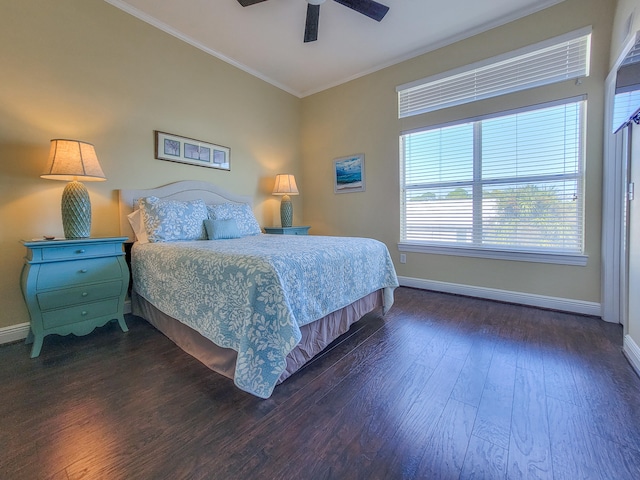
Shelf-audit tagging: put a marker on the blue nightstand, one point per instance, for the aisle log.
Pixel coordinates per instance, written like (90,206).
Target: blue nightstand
(73,286)
(287,230)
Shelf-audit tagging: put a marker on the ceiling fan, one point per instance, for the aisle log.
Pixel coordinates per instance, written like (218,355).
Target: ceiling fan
(371,9)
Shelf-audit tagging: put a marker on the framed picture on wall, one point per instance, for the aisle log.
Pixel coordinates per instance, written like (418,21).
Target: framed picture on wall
(175,148)
(348,174)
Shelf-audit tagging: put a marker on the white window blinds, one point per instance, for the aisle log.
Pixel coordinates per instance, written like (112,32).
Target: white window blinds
(513,182)
(561,58)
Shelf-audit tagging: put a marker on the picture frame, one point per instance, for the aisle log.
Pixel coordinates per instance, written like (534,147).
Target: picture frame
(348,174)
(175,148)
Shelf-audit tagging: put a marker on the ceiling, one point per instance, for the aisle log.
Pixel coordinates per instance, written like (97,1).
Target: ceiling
(266,39)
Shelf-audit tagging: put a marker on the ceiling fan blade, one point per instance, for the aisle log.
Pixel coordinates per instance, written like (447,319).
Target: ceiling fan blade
(311,27)
(246,3)
(371,9)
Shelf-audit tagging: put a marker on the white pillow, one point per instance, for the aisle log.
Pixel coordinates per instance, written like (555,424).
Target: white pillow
(240,212)
(171,220)
(135,220)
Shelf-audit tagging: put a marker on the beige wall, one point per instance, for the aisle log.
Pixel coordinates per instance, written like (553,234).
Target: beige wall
(83,69)
(361,117)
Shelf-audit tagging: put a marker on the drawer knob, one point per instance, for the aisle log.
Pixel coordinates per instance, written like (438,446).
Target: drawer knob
(84,313)
(84,270)
(84,294)
(81,250)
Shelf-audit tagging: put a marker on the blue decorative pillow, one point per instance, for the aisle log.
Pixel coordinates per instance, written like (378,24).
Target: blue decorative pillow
(222,229)
(171,220)
(240,212)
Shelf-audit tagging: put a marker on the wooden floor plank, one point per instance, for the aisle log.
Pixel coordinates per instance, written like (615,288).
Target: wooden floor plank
(376,431)
(383,353)
(443,386)
(616,461)
(493,422)
(448,442)
(603,381)
(470,383)
(362,427)
(573,449)
(353,411)
(484,460)
(529,445)
(401,454)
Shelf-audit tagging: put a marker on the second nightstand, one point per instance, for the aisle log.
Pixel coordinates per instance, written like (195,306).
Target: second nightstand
(303,230)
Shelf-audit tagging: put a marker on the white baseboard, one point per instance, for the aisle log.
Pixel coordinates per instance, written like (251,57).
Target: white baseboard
(13,333)
(530,299)
(632,352)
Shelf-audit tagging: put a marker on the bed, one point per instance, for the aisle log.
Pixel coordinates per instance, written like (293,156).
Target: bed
(253,307)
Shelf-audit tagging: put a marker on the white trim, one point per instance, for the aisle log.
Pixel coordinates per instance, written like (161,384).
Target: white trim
(14,333)
(632,352)
(530,299)
(536,257)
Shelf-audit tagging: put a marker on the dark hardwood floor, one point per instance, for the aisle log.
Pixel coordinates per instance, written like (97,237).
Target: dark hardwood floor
(442,387)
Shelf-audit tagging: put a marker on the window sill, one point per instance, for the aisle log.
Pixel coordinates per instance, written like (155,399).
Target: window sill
(538,257)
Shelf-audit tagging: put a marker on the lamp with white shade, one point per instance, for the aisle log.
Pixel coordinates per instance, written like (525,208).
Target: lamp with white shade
(285,185)
(73,160)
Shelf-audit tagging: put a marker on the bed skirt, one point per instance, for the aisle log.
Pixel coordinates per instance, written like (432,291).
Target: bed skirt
(315,336)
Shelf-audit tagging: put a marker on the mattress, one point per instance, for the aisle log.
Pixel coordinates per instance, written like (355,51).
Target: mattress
(254,294)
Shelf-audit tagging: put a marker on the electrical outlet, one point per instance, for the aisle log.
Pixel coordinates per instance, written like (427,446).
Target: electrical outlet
(403,258)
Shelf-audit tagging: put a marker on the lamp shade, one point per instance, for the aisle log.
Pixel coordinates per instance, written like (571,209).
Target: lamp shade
(285,185)
(73,160)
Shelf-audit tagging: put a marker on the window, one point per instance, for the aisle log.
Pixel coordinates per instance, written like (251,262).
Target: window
(509,182)
(560,58)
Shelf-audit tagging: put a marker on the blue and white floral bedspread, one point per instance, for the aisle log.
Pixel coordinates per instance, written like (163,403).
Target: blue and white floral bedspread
(253,293)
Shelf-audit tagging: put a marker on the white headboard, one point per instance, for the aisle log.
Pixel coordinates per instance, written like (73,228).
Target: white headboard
(184,190)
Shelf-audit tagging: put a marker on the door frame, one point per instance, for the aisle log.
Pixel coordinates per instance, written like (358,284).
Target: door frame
(614,206)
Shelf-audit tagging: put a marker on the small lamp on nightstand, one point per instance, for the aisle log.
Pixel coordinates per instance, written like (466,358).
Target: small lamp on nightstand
(285,185)
(73,160)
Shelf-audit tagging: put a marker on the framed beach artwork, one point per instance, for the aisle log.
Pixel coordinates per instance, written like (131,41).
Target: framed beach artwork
(349,174)
(175,148)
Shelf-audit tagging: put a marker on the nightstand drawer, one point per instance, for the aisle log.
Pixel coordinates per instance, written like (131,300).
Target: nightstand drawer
(298,230)
(56,275)
(66,316)
(70,252)
(73,296)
